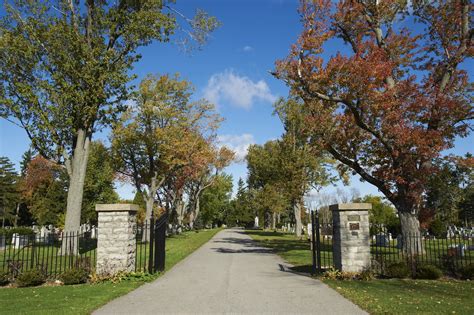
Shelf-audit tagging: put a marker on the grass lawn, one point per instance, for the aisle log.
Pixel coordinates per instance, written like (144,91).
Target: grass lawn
(388,296)
(82,299)
(395,296)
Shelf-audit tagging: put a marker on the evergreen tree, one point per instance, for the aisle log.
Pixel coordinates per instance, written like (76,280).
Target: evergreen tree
(9,195)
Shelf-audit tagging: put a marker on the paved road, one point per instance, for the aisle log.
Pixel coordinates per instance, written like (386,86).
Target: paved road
(231,275)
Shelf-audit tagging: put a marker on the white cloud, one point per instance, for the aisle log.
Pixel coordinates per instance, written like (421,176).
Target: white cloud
(238,143)
(247,48)
(238,90)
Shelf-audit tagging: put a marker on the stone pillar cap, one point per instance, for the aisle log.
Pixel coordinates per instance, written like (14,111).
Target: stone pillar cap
(116,207)
(350,206)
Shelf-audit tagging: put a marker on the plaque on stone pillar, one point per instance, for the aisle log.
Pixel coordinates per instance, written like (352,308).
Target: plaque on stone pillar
(351,237)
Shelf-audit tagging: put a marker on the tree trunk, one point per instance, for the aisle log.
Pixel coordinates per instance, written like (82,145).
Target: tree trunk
(411,236)
(274,217)
(194,213)
(180,207)
(17,214)
(149,202)
(297,213)
(76,168)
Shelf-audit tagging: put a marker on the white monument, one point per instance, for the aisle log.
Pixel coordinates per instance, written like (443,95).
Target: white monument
(256,222)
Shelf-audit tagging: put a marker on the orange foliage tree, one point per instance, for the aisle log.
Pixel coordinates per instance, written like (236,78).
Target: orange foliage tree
(394,98)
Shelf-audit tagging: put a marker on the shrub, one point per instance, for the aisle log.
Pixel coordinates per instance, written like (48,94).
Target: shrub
(366,275)
(333,274)
(74,276)
(437,228)
(397,270)
(467,272)
(30,278)
(4,278)
(428,272)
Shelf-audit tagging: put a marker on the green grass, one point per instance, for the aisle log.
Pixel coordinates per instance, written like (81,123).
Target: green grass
(82,299)
(381,296)
(394,296)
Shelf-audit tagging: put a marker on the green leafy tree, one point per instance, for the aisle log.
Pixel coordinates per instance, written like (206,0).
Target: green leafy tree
(446,191)
(64,68)
(9,194)
(215,200)
(303,166)
(44,191)
(99,182)
(241,210)
(382,216)
(156,139)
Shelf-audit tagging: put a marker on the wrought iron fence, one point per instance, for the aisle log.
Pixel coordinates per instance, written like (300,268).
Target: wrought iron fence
(447,253)
(52,253)
(150,245)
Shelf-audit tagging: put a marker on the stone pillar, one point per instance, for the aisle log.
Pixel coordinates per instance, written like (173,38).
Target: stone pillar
(351,236)
(116,244)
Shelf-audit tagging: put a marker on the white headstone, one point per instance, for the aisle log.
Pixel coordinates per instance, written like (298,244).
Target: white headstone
(19,241)
(256,222)
(310,229)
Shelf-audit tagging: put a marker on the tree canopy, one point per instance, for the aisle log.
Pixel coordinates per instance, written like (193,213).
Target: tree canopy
(390,104)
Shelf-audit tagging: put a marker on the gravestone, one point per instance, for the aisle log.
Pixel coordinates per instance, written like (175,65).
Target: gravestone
(382,240)
(19,241)
(351,236)
(255,224)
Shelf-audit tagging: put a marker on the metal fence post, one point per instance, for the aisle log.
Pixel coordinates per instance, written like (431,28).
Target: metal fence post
(318,242)
(152,238)
(160,239)
(313,242)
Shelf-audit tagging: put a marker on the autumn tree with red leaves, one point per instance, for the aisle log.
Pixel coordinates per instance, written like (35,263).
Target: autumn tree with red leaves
(389,103)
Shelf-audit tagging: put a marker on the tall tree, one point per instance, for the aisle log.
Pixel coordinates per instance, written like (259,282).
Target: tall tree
(159,134)
(44,190)
(448,189)
(304,166)
(9,193)
(64,68)
(206,172)
(215,200)
(391,103)
(99,182)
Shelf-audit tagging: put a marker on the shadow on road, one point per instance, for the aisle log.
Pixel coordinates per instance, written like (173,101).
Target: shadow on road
(249,246)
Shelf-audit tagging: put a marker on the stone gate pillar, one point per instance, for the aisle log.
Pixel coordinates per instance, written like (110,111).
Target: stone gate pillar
(116,244)
(351,236)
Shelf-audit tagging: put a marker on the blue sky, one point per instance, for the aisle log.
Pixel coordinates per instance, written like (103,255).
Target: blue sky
(231,70)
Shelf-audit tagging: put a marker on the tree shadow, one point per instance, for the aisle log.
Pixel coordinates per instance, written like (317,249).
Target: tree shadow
(243,251)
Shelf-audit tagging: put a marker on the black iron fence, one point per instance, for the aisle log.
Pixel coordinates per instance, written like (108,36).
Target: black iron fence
(449,253)
(52,253)
(150,244)
(57,252)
